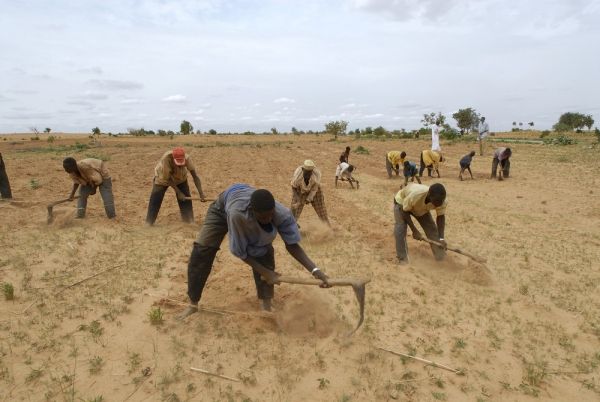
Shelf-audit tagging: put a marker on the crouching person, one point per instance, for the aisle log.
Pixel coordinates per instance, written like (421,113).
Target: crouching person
(252,218)
(90,174)
(501,157)
(343,172)
(417,200)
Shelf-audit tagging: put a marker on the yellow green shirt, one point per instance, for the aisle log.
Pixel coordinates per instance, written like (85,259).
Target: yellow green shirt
(412,199)
(431,158)
(395,158)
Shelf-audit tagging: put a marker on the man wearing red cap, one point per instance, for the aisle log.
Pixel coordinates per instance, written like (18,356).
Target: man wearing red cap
(171,171)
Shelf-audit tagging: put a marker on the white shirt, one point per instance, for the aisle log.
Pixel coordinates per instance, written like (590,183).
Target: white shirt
(435,138)
(484,130)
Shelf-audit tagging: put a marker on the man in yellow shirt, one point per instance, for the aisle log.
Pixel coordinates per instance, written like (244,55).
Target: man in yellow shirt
(417,200)
(90,174)
(171,171)
(430,160)
(393,160)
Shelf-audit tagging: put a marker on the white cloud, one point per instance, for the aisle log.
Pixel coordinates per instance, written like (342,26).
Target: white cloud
(284,100)
(116,85)
(175,98)
(130,101)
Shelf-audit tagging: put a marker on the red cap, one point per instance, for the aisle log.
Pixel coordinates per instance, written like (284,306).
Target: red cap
(179,156)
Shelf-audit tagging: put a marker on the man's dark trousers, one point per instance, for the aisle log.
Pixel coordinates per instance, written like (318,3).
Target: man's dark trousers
(4,183)
(156,198)
(214,228)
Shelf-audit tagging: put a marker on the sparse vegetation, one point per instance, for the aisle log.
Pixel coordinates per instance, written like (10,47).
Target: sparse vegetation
(8,291)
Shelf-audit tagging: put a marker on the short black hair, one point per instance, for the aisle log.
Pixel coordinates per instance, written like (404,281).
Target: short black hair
(351,168)
(437,192)
(403,154)
(262,200)
(472,153)
(347,148)
(69,163)
(406,163)
(508,152)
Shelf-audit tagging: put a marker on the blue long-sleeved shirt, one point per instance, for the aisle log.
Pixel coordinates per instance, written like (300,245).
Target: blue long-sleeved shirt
(246,236)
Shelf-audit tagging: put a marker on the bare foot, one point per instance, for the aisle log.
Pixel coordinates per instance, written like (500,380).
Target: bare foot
(191,309)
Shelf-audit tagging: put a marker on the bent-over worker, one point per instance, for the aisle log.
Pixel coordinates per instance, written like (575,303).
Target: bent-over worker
(417,200)
(90,174)
(501,157)
(171,171)
(343,172)
(252,218)
(306,189)
(393,160)
(430,160)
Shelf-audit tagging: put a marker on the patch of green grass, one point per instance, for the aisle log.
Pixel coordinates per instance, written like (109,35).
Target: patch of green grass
(155,315)
(34,184)
(96,363)
(8,290)
(323,383)
(439,396)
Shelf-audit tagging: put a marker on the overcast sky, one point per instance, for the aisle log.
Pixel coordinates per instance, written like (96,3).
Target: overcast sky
(255,64)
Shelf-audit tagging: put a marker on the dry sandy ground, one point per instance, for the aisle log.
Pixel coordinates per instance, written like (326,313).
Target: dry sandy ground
(523,327)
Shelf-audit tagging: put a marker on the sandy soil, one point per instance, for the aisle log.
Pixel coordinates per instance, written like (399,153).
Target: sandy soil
(524,326)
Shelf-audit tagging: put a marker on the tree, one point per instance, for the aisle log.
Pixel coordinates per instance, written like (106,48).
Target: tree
(212,131)
(274,131)
(520,124)
(162,133)
(295,131)
(514,124)
(588,121)
(573,121)
(466,119)
(380,131)
(96,131)
(47,130)
(530,124)
(186,127)
(336,128)
(431,119)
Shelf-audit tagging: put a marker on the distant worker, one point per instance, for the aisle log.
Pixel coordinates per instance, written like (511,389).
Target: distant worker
(410,172)
(345,155)
(393,160)
(306,189)
(430,160)
(4,183)
(465,164)
(484,131)
(501,157)
(171,171)
(252,218)
(343,172)
(417,200)
(435,137)
(90,174)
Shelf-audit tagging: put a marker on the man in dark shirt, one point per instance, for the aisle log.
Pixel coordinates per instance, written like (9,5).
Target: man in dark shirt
(465,164)
(345,155)
(252,218)
(410,171)
(4,183)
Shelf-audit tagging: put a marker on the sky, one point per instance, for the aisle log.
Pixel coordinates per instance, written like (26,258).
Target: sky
(239,65)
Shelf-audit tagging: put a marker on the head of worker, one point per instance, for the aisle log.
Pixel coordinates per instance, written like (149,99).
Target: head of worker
(472,154)
(179,156)
(348,150)
(262,204)
(406,164)
(403,154)
(507,153)
(436,194)
(70,165)
(351,168)
(307,168)
(482,119)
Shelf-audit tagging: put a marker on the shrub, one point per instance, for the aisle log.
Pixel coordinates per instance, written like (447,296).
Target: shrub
(545,133)
(51,139)
(361,150)
(560,140)
(449,133)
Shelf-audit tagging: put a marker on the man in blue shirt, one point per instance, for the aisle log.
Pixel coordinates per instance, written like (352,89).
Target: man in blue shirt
(410,171)
(253,218)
